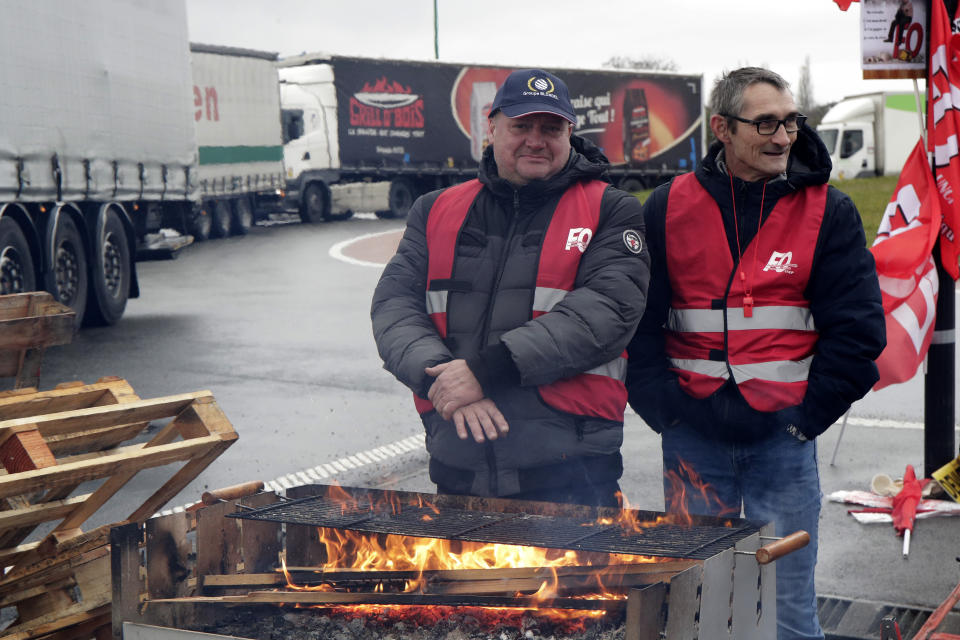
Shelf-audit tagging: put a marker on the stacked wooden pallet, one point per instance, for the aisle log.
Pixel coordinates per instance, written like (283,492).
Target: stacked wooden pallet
(29,323)
(65,453)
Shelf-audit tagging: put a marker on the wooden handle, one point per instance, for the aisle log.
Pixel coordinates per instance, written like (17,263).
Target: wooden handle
(779,548)
(232,493)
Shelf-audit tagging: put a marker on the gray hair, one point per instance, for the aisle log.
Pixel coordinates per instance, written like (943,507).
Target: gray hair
(727,96)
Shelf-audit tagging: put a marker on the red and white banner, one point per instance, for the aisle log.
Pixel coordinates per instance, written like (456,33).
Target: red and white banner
(908,279)
(943,124)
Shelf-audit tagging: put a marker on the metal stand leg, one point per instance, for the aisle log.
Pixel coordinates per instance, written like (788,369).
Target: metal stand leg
(836,447)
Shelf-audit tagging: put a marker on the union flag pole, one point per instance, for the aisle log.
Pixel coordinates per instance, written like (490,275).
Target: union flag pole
(939,446)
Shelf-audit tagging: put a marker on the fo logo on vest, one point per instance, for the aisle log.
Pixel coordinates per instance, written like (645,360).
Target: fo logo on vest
(579,237)
(632,240)
(780,262)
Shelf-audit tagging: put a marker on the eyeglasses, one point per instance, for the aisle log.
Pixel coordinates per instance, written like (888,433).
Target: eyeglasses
(791,124)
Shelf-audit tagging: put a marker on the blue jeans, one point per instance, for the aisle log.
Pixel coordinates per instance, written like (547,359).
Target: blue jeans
(775,480)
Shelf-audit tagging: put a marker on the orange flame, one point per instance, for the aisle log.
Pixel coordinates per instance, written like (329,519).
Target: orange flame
(347,549)
(678,500)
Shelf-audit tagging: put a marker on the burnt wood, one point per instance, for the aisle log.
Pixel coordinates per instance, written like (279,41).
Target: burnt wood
(293,598)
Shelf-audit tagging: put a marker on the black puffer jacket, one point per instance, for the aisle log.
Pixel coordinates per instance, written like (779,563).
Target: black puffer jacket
(844,298)
(509,352)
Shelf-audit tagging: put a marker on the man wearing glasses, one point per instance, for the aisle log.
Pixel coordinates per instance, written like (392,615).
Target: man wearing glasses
(762,323)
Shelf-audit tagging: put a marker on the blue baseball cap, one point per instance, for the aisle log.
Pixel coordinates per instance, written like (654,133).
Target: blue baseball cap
(533,91)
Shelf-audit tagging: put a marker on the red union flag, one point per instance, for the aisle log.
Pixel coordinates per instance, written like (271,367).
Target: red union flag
(908,279)
(943,125)
(845,4)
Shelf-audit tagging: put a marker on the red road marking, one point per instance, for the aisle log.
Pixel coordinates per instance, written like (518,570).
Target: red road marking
(379,248)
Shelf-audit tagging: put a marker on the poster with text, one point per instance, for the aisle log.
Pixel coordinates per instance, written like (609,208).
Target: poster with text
(893,38)
(435,114)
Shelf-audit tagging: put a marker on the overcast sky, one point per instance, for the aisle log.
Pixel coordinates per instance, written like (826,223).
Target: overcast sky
(701,36)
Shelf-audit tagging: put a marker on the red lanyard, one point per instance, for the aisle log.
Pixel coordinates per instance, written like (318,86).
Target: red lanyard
(747,287)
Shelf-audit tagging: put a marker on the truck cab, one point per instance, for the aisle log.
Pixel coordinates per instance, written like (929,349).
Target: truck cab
(870,134)
(847,131)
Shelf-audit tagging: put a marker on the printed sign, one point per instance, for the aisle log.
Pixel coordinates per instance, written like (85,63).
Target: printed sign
(893,38)
(409,113)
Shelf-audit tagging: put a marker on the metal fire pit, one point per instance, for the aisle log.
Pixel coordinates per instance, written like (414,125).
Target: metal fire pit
(166,571)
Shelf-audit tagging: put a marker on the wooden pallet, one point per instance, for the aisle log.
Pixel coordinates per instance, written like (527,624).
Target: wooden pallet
(29,323)
(51,443)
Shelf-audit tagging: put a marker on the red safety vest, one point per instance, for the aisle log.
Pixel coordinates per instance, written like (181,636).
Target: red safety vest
(599,392)
(708,336)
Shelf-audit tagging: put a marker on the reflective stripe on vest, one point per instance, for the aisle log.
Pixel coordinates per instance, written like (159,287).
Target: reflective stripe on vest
(768,354)
(599,392)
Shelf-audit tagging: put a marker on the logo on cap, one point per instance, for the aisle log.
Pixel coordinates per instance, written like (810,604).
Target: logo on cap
(539,84)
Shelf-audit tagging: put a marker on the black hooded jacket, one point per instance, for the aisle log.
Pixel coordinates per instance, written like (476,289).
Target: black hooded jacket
(844,297)
(511,354)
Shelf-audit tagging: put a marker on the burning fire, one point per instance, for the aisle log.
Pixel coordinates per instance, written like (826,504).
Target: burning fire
(362,552)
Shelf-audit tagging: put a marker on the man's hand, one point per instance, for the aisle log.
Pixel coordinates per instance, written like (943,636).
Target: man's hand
(455,386)
(483,419)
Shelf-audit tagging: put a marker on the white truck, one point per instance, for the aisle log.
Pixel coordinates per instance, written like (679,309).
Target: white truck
(368,134)
(236,107)
(100,117)
(97,139)
(870,134)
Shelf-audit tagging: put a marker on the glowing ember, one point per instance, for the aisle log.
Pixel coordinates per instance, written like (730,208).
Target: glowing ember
(563,622)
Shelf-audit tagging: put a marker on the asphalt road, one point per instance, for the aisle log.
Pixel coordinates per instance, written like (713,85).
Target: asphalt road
(277,329)
(276,325)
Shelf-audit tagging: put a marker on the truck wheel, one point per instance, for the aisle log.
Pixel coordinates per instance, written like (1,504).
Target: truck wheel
(632,185)
(315,205)
(220,219)
(200,222)
(68,280)
(401,198)
(110,273)
(17,274)
(242,216)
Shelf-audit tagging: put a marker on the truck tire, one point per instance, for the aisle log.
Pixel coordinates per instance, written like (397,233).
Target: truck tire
(17,273)
(402,196)
(220,219)
(315,205)
(200,223)
(242,216)
(632,185)
(109,273)
(68,279)
(401,199)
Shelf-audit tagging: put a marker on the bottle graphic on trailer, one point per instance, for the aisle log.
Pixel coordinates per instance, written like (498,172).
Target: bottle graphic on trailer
(481,97)
(636,126)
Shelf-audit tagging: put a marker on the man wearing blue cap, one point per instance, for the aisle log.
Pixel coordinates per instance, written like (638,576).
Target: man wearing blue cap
(508,306)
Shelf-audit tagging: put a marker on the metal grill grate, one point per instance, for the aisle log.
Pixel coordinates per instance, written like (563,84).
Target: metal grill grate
(699,542)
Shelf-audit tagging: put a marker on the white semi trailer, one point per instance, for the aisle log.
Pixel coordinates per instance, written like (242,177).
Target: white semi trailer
(236,107)
(111,131)
(96,139)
